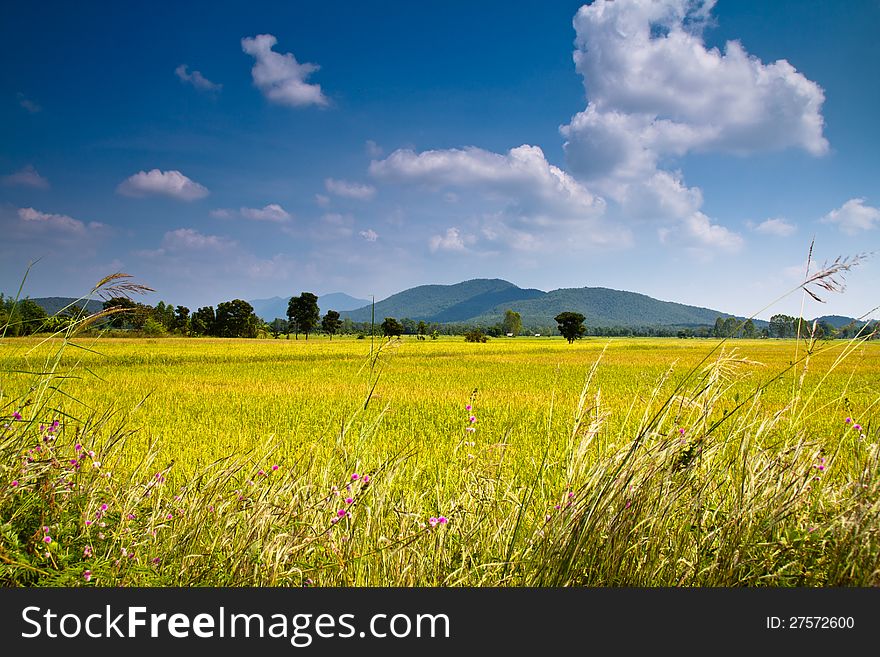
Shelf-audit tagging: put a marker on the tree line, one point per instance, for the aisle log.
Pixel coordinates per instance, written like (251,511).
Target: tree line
(236,319)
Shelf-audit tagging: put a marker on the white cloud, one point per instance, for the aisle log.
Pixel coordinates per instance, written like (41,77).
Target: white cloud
(162,183)
(347,189)
(853,216)
(26,177)
(280,77)
(541,202)
(373,149)
(656,89)
(776,226)
(221,213)
(452,240)
(655,92)
(522,175)
(196,79)
(321,200)
(57,222)
(697,232)
(271,212)
(189,239)
(370,235)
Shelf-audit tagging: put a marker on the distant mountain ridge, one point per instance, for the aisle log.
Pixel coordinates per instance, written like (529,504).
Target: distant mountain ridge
(53,304)
(484,301)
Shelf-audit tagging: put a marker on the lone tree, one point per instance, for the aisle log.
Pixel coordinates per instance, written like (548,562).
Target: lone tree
(392,328)
(331,323)
(235,319)
(571,325)
(303,313)
(512,322)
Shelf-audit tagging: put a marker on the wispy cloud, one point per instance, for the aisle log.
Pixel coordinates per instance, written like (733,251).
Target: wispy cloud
(272,212)
(777,226)
(26,177)
(57,222)
(31,106)
(347,189)
(196,79)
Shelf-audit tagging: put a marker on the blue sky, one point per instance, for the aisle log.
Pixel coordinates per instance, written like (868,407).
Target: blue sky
(686,150)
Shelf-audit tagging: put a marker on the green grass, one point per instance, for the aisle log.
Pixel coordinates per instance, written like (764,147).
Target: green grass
(593,428)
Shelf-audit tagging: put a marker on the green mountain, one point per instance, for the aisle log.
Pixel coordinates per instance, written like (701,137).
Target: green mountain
(53,304)
(605,307)
(483,302)
(446,303)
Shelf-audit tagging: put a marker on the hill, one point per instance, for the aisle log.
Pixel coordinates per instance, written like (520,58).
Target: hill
(446,303)
(53,304)
(269,309)
(483,301)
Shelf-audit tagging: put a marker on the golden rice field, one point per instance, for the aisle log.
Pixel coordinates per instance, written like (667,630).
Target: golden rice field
(609,461)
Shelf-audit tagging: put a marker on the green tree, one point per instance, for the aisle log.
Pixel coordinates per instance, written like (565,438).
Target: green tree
(23,317)
(512,323)
(235,319)
(749,330)
(181,320)
(277,327)
(164,314)
(781,326)
(122,308)
(331,323)
(718,331)
(475,335)
(303,313)
(730,325)
(571,325)
(392,328)
(203,321)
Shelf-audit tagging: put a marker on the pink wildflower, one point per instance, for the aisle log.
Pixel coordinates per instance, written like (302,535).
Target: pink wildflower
(87,575)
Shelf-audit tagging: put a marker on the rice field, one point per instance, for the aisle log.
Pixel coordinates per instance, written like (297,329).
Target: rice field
(522,461)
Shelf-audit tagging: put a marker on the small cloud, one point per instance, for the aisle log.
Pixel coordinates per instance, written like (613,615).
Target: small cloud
(322,201)
(57,222)
(188,239)
(196,79)
(453,240)
(347,189)
(28,104)
(27,177)
(271,212)
(853,216)
(221,213)
(698,231)
(162,183)
(373,149)
(370,235)
(778,227)
(281,78)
